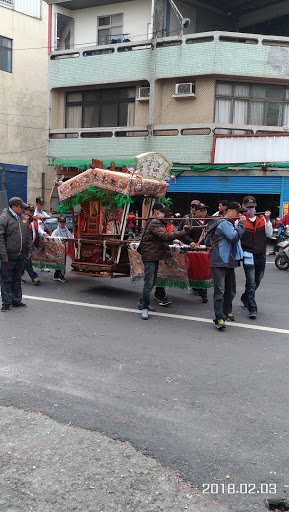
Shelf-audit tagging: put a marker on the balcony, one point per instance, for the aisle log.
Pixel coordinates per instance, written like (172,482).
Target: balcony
(217,53)
(179,143)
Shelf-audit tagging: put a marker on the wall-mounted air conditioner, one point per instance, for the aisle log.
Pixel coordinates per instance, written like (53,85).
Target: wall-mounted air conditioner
(185,89)
(144,93)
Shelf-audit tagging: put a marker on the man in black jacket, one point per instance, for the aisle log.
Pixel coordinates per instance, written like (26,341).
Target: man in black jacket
(15,247)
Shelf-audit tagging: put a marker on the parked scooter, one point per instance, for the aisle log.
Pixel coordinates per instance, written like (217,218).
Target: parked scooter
(282,258)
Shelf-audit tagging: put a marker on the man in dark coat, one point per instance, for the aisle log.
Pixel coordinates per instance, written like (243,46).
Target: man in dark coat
(15,247)
(155,247)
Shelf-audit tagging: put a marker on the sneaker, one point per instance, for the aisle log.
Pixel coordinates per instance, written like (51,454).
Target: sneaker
(145,314)
(19,305)
(220,323)
(139,306)
(45,269)
(273,253)
(61,279)
(5,308)
(204,300)
(23,281)
(165,302)
(253,316)
(36,281)
(230,317)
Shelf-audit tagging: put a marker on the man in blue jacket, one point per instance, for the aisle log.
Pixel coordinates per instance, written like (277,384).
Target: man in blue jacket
(224,257)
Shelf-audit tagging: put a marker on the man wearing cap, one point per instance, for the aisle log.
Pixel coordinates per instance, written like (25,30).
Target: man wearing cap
(192,213)
(63,232)
(40,213)
(15,247)
(193,236)
(154,247)
(37,233)
(225,255)
(254,242)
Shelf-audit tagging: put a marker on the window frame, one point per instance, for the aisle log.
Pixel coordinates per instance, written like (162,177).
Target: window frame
(9,49)
(250,98)
(86,103)
(109,26)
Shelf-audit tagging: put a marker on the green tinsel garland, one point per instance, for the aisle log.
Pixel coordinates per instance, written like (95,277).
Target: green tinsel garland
(93,193)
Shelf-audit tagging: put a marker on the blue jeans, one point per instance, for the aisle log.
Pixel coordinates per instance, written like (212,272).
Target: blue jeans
(224,290)
(11,273)
(29,268)
(150,277)
(254,274)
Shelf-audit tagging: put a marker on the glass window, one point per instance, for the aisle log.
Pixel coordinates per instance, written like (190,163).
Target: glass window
(103,36)
(100,108)
(256,104)
(73,97)
(5,54)
(116,19)
(274,114)
(113,31)
(105,20)
(91,116)
(274,91)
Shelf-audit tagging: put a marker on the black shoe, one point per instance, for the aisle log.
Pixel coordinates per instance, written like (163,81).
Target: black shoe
(220,324)
(5,308)
(253,315)
(204,300)
(19,305)
(230,317)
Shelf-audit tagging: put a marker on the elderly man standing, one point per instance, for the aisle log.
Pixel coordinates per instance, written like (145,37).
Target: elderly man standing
(15,247)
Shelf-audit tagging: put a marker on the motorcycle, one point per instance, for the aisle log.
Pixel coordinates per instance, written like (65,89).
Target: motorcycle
(282,258)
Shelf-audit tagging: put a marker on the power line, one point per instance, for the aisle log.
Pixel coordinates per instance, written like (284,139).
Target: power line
(23,151)
(24,126)
(22,115)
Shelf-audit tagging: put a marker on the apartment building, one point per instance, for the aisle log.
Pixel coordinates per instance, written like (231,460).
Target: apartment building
(23,98)
(206,83)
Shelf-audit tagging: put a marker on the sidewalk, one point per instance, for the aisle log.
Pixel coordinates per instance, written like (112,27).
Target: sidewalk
(50,467)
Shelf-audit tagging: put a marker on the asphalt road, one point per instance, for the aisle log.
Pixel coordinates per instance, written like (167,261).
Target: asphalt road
(213,406)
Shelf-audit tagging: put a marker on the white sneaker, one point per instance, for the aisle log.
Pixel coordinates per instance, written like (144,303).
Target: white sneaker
(144,314)
(45,269)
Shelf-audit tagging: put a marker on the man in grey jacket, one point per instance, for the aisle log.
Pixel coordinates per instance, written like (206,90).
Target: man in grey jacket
(15,247)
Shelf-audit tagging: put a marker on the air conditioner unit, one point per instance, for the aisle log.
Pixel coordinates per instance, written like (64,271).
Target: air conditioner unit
(144,92)
(187,88)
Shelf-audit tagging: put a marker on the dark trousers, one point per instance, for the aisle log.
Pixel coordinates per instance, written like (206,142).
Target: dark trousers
(150,277)
(11,273)
(224,290)
(254,274)
(29,268)
(160,292)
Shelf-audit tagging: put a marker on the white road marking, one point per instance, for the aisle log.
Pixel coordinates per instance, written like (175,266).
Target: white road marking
(166,315)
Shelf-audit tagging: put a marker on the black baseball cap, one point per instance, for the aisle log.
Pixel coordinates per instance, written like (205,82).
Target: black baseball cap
(162,208)
(249,201)
(195,202)
(40,200)
(236,206)
(17,201)
(30,207)
(62,219)
(201,206)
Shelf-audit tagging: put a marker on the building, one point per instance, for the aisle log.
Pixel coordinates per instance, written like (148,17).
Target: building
(23,98)
(211,95)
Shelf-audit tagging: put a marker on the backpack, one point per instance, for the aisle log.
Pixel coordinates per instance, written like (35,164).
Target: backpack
(208,239)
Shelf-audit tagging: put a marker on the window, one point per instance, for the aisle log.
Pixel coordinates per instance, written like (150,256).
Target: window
(8,3)
(99,108)
(110,29)
(65,31)
(5,54)
(256,104)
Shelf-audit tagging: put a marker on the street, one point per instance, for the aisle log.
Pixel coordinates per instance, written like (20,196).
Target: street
(213,406)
